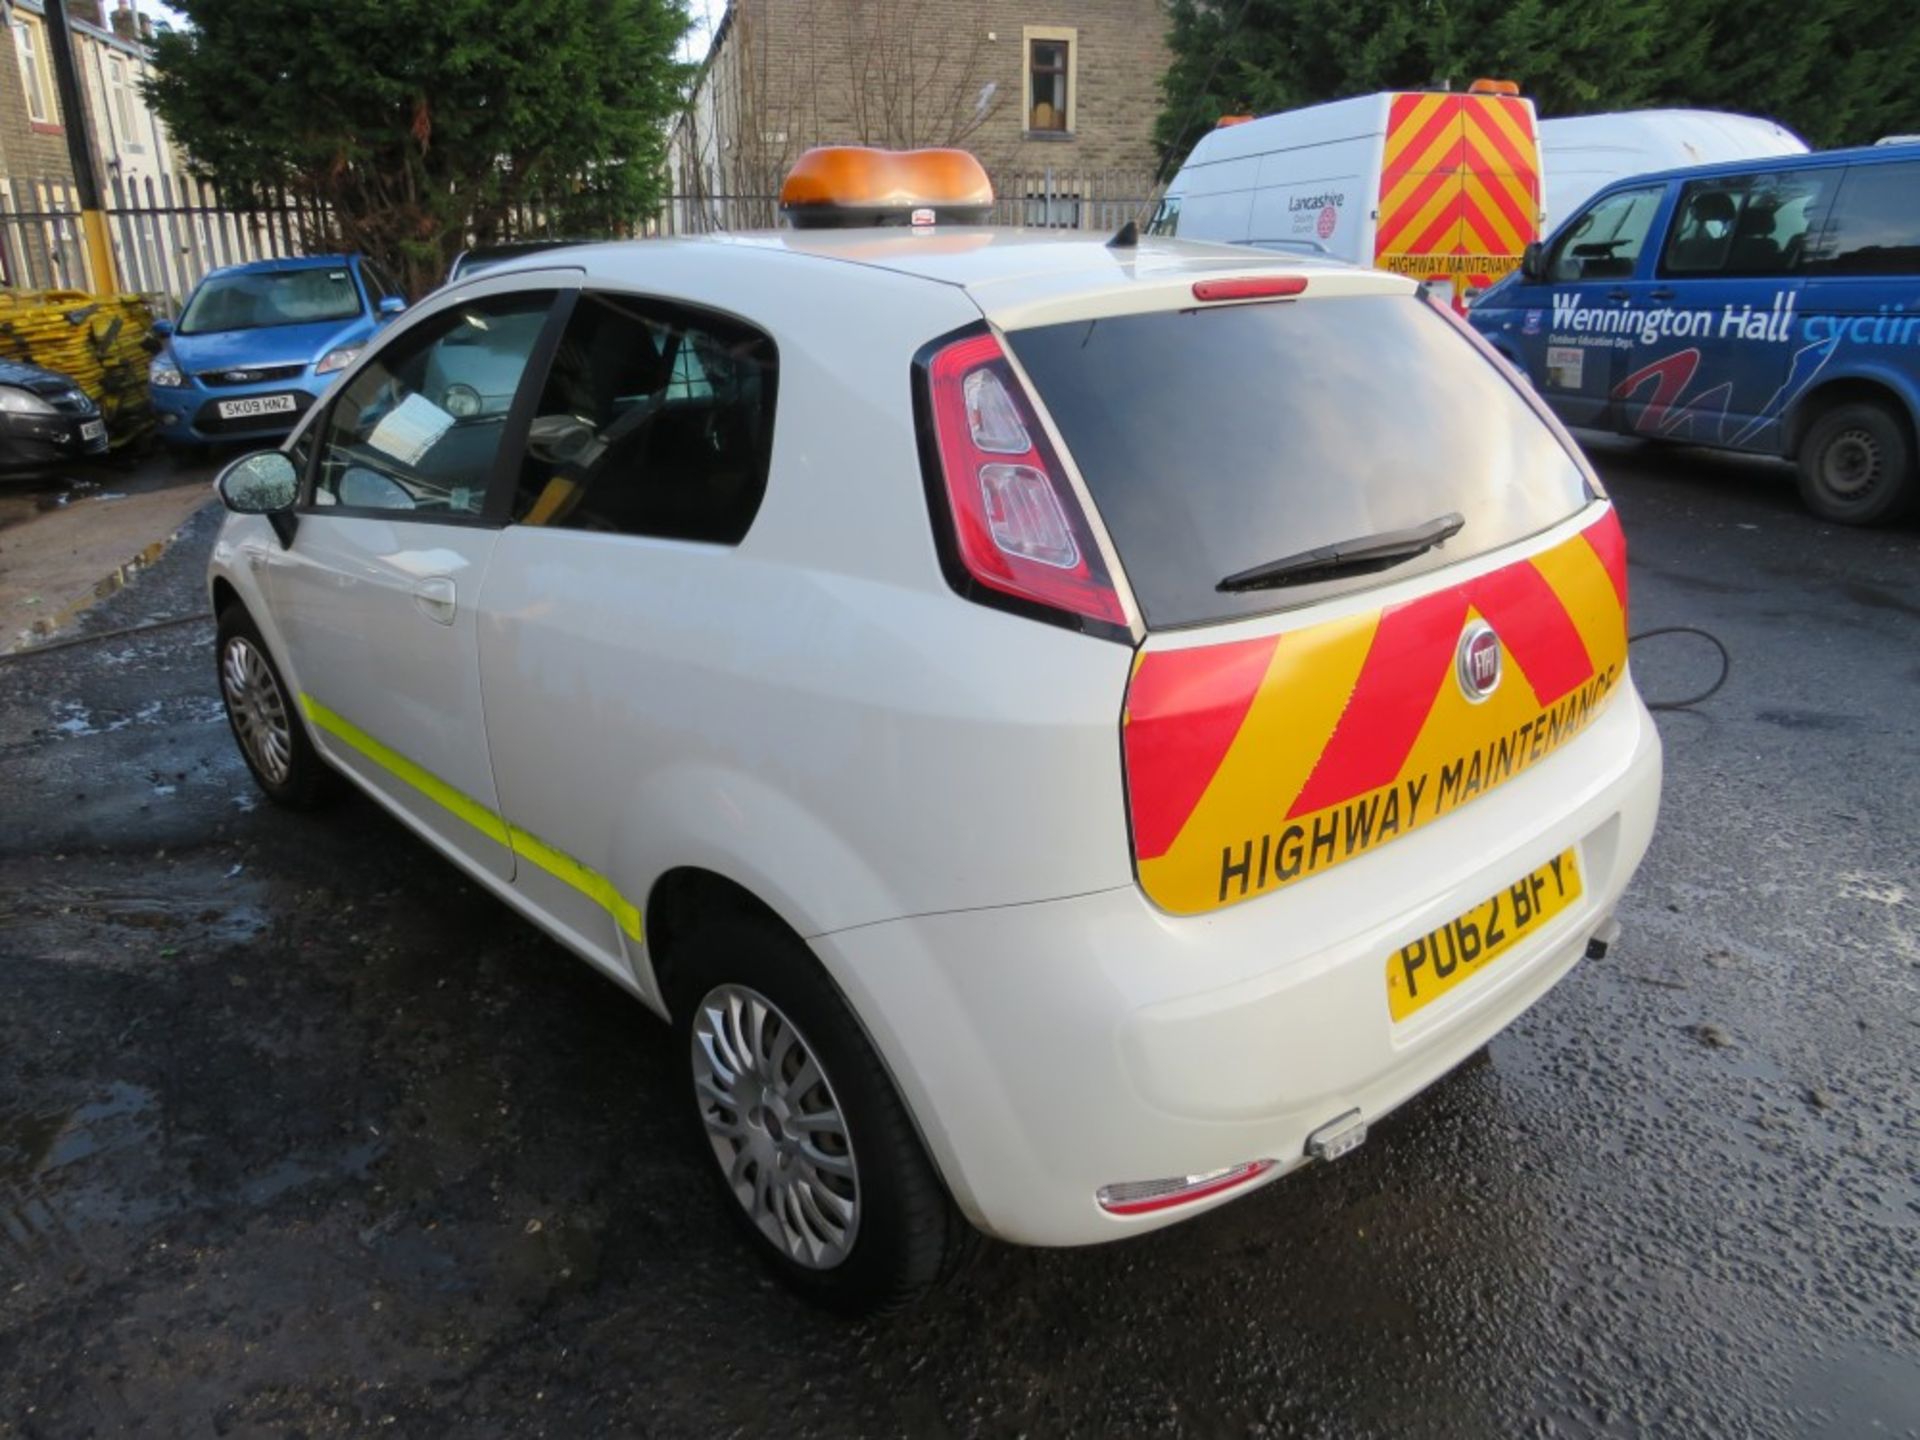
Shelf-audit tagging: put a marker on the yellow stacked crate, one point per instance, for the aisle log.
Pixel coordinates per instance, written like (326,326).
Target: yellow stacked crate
(98,340)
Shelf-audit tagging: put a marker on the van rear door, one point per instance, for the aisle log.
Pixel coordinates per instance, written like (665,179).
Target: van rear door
(1459,188)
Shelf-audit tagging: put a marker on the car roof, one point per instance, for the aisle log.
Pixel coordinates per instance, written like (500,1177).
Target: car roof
(1811,160)
(978,259)
(1014,277)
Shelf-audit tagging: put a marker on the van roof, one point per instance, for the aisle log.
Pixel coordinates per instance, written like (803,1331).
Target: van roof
(1812,160)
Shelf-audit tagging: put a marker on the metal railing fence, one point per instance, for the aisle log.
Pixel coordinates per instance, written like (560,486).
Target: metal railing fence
(168,233)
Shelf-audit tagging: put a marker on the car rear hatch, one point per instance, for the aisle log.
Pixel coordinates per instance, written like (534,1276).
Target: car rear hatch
(1279,726)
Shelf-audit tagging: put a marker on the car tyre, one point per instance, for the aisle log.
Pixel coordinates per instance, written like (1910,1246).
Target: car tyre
(1857,465)
(813,1152)
(266,723)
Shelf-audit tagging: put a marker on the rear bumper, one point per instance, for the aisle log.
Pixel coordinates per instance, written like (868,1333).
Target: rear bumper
(1048,1050)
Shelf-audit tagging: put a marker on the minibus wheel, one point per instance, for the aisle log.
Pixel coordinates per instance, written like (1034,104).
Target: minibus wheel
(1856,464)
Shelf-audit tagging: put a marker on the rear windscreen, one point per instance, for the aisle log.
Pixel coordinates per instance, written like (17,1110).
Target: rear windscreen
(1217,440)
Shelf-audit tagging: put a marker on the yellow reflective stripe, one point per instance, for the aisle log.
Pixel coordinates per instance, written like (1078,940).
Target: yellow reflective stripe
(557,863)
(590,883)
(394,763)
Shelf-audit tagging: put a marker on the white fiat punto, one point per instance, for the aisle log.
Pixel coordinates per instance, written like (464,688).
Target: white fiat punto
(1067,730)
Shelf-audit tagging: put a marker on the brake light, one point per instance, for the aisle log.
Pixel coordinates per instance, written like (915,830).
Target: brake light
(1017,524)
(1251,287)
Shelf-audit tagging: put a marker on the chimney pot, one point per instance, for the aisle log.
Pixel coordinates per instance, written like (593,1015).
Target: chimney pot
(123,24)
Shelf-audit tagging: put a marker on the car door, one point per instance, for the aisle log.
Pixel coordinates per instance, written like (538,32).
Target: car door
(1715,304)
(375,595)
(607,598)
(1576,316)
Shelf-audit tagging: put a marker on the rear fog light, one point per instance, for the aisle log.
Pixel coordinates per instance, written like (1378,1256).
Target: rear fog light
(1144,1197)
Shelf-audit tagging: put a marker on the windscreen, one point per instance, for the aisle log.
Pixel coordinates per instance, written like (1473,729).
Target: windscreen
(1216,440)
(250,301)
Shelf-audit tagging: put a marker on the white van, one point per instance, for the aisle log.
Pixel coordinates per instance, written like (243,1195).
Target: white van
(1583,154)
(1442,187)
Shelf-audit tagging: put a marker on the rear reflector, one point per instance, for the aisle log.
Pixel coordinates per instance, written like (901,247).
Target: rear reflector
(1144,1197)
(1251,287)
(1017,524)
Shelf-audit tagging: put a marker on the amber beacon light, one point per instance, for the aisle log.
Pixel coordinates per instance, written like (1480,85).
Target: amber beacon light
(845,185)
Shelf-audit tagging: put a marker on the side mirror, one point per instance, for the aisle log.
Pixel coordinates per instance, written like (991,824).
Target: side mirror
(389,306)
(163,327)
(1533,262)
(263,483)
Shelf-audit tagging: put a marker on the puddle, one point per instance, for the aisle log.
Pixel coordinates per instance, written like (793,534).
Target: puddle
(20,506)
(75,720)
(45,1203)
(107,585)
(199,915)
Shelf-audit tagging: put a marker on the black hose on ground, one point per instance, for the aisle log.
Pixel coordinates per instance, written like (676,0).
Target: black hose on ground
(1726,663)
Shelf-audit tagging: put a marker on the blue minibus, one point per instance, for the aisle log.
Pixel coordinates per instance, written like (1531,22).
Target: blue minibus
(1771,306)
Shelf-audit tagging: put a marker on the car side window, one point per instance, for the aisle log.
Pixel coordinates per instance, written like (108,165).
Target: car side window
(656,419)
(420,425)
(1605,242)
(1745,224)
(1874,228)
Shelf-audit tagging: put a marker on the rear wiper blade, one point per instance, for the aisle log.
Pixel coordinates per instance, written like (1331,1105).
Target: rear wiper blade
(1348,557)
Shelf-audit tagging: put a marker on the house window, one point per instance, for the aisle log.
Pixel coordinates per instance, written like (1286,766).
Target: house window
(1050,80)
(120,96)
(33,70)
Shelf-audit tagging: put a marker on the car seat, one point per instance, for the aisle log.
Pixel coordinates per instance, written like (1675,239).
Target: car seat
(1754,250)
(1700,246)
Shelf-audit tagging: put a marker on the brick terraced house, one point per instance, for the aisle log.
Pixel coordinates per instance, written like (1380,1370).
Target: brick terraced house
(1057,98)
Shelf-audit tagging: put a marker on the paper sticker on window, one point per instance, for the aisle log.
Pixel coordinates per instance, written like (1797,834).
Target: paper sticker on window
(1566,367)
(410,429)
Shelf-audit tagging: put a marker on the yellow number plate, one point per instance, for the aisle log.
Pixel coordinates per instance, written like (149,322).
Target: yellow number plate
(1421,972)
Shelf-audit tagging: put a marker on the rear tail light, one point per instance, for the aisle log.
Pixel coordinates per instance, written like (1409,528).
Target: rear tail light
(1145,1197)
(1017,525)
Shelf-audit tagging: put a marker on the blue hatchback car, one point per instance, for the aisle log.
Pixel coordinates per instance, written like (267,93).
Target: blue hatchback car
(257,344)
(1771,306)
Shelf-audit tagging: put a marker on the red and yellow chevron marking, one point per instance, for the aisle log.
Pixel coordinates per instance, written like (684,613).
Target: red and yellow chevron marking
(1459,187)
(1253,764)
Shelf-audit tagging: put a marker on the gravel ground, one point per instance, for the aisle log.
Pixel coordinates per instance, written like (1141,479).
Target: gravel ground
(300,1134)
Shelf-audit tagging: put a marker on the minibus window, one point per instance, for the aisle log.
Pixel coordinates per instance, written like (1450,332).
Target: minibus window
(1746,224)
(1875,226)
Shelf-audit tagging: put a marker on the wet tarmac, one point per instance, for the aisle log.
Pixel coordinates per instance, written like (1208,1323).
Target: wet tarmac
(302,1135)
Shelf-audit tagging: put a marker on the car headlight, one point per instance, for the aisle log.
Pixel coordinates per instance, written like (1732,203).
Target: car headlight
(338,359)
(164,373)
(15,401)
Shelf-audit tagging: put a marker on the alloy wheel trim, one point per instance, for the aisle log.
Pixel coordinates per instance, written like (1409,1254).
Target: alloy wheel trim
(257,708)
(775,1126)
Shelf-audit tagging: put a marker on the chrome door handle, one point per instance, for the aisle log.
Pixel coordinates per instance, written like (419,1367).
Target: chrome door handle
(435,597)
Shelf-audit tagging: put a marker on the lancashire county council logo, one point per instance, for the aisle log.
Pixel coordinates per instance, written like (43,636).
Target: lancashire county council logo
(1324,222)
(1477,663)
